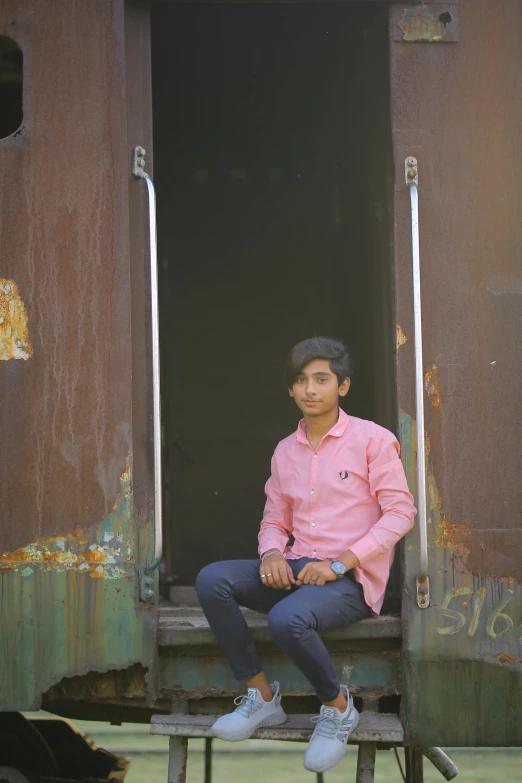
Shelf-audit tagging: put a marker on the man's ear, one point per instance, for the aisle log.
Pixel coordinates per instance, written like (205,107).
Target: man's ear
(290,392)
(343,388)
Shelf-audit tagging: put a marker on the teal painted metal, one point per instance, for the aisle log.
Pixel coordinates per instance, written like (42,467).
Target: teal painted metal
(70,605)
(467,646)
(377,674)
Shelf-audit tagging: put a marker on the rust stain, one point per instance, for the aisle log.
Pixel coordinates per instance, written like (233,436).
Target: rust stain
(105,557)
(452,535)
(431,384)
(401,337)
(51,556)
(506,658)
(419,24)
(14,331)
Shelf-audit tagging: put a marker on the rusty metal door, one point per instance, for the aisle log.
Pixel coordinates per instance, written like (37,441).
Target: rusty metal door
(457,108)
(76,482)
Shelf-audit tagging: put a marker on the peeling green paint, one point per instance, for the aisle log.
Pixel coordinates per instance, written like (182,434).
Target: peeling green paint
(467,644)
(367,673)
(69,605)
(104,552)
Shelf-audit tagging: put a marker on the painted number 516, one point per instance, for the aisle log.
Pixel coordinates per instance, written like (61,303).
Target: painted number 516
(460,620)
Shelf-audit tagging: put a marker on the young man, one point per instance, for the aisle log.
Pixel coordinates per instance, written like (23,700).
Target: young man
(338,489)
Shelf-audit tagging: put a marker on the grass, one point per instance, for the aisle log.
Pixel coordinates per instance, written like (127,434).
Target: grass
(281,762)
(286,767)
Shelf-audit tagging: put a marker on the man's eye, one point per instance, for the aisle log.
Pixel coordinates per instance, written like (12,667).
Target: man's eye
(300,379)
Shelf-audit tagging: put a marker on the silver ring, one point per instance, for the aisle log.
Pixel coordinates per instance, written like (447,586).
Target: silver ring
(313,580)
(263,576)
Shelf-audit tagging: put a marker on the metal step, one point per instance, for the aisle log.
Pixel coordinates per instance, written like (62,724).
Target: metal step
(181,626)
(372,727)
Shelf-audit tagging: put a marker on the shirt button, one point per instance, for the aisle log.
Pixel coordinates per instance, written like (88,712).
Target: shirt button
(314,552)
(315,456)
(337,433)
(312,492)
(313,524)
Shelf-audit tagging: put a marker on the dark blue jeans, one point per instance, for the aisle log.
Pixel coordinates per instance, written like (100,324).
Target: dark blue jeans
(294,618)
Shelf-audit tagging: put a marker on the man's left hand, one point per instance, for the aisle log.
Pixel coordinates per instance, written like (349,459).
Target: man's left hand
(316,573)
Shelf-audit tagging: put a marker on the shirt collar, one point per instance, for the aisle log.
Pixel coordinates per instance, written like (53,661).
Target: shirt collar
(337,430)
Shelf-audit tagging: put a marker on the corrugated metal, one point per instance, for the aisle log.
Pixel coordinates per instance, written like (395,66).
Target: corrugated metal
(68,538)
(458,108)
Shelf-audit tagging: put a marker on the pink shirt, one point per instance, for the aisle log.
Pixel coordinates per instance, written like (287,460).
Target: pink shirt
(350,493)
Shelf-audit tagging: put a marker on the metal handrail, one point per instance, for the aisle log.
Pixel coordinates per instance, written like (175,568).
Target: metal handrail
(423,583)
(138,171)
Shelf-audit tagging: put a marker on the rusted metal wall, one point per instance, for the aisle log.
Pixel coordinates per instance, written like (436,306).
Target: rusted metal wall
(457,106)
(68,533)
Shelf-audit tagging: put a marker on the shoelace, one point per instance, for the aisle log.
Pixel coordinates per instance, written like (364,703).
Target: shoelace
(247,704)
(328,725)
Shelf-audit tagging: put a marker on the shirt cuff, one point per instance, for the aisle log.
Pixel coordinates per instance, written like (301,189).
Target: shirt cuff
(271,543)
(365,549)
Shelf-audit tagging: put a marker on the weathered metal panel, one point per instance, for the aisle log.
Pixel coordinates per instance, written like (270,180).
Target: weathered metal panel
(68,536)
(66,410)
(183,627)
(368,674)
(372,727)
(458,108)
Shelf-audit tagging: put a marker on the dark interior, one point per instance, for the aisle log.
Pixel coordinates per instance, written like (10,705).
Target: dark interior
(11,87)
(273,169)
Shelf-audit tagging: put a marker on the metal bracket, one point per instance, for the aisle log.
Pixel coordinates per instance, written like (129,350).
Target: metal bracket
(423,593)
(138,163)
(411,171)
(147,581)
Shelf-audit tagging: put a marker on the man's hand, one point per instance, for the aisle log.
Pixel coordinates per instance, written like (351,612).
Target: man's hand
(318,573)
(275,572)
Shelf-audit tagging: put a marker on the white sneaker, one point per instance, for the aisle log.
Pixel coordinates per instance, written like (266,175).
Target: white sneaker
(327,745)
(252,713)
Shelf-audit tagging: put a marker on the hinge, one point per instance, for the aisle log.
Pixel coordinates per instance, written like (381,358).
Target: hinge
(138,162)
(423,593)
(147,591)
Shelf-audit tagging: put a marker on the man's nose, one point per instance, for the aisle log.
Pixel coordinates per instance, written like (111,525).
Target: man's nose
(310,389)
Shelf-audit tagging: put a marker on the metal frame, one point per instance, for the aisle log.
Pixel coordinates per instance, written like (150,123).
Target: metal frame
(423,582)
(146,581)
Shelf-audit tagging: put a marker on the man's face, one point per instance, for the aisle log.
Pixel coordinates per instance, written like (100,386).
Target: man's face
(316,390)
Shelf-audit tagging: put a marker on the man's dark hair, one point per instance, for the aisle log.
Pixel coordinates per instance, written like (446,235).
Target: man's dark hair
(318,348)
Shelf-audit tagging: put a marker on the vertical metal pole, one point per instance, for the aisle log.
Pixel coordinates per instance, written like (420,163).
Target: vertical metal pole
(366,762)
(208,760)
(138,171)
(320,777)
(414,766)
(423,586)
(155,370)
(178,752)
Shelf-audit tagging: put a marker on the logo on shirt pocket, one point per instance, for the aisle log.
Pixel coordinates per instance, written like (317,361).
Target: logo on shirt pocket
(343,474)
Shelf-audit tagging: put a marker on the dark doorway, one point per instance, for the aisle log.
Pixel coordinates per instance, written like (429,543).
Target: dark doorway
(11,87)
(273,167)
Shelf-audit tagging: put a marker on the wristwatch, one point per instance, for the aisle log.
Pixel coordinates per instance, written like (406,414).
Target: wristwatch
(338,568)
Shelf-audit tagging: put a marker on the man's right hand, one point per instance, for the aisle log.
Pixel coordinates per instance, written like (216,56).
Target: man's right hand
(275,572)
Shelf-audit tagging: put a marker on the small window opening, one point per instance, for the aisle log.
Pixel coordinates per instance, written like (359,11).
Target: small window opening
(11,95)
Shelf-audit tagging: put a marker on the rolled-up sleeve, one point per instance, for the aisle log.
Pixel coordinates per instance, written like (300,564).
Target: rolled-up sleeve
(276,525)
(389,487)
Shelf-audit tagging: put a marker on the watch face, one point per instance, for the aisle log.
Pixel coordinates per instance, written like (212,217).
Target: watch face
(338,567)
